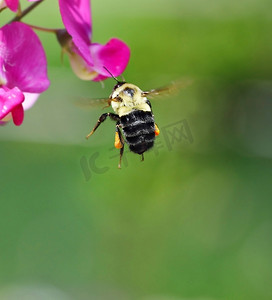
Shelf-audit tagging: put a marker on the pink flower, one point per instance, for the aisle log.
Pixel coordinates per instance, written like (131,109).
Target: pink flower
(88,59)
(12,4)
(23,71)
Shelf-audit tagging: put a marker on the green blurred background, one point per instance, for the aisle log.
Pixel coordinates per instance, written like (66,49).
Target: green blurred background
(193,221)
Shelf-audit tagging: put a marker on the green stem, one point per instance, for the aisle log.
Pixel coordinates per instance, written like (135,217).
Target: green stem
(51,30)
(26,11)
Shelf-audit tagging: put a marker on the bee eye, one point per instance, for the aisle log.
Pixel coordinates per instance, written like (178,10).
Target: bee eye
(129,92)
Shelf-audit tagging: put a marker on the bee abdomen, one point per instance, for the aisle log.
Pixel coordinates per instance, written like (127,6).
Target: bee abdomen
(139,130)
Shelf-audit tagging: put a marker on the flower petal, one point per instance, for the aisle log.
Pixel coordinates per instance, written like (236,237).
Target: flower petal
(18,115)
(30,99)
(76,17)
(23,59)
(81,68)
(2,123)
(114,56)
(9,100)
(12,4)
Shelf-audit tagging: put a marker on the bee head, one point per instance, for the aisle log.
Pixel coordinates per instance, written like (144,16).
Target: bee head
(127,97)
(119,83)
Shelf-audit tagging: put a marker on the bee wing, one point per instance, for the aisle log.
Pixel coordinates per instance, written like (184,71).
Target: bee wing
(92,103)
(169,89)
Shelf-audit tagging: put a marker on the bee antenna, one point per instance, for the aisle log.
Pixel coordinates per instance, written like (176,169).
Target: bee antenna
(111,74)
(123,78)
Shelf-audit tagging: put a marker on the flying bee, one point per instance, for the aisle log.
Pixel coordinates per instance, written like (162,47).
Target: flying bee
(133,115)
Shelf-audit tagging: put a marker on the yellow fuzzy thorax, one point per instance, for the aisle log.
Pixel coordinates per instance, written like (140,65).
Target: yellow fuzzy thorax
(128,97)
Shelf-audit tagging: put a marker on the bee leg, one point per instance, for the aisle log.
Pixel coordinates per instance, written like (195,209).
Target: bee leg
(142,158)
(119,143)
(101,119)
(121,155)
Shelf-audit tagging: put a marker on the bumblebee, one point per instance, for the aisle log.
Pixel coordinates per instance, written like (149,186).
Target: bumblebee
(133,115)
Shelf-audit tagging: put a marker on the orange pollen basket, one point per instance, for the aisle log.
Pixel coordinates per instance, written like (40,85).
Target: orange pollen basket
(117,143)
(157,130)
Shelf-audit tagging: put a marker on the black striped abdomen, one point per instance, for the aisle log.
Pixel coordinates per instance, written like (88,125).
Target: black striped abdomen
(139,130)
